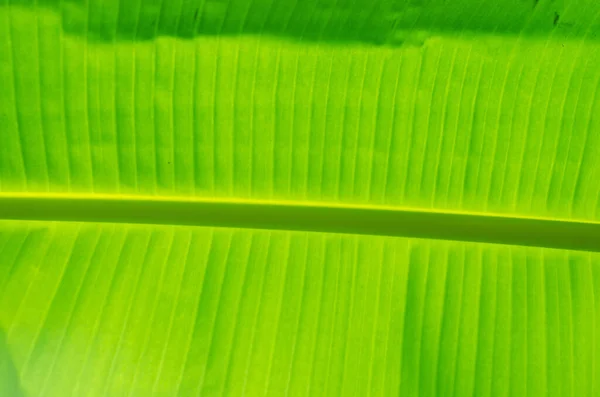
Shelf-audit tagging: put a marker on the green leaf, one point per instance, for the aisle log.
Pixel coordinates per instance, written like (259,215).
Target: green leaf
(279,197)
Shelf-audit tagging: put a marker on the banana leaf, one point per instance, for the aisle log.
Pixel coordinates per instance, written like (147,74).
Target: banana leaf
(299,197)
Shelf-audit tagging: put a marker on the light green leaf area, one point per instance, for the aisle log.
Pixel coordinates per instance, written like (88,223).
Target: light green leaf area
(92,309)
(472,118)
(311,197)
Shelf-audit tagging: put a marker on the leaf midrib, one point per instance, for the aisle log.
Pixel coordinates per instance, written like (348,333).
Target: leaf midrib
(305,216)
